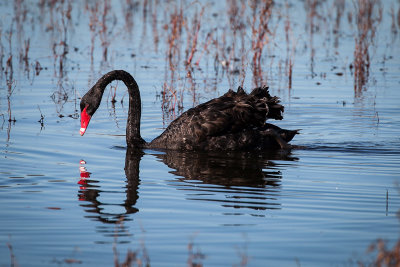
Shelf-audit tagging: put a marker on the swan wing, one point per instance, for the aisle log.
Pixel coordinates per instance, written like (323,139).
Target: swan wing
(230,113)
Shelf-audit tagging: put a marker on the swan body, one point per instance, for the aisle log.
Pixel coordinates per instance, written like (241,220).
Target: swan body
(233,121)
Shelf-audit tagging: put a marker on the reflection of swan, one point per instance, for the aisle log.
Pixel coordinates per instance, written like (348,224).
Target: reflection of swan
(246,180)
(90,191)
(234,121)
(239,180)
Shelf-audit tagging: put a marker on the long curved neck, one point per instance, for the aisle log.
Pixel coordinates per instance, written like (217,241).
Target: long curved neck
(133,137)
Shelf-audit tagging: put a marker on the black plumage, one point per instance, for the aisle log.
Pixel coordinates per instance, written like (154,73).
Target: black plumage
(233,121)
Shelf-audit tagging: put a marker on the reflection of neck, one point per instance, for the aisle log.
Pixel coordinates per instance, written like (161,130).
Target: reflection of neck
(132,162)
(91,192)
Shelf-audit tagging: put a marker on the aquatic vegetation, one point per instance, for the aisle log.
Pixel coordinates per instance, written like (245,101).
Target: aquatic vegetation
(385,256)
(174,31)
(368,17)
(261,34)
(138,257)
(252,35)
(331,62)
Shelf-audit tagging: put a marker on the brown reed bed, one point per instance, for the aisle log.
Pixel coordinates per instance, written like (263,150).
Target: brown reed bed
(154,23)
(195,258)
(174,32)
(368,17)
(261,35)
(192,36)
(9,63)
(25,57)
(138,257)
(208,41)
(9,72)
(101,25)
(290,47)
(339,7)
(104,32)
(93,9)
(60,19)
(237,61)
(384,256)
(128,12)
(244,43)
(311,7)
(393,26)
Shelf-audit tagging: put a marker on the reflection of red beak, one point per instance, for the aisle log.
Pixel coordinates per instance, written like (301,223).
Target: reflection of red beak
(85,119)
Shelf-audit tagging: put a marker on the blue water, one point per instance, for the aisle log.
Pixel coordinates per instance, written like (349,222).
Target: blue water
(323,204)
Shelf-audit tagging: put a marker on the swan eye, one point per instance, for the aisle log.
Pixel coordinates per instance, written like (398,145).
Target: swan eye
(83,105)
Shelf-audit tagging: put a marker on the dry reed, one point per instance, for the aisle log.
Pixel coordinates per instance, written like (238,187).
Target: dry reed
(101,24)
(260,35)
(237,31)
(311,7)
(133,258)
(174,30)
(154,23)
(92,27)
(339,11)
(368,17)
(194,257)
(192,36)
(14,262)
(104,32)
(290,48)
(385,256)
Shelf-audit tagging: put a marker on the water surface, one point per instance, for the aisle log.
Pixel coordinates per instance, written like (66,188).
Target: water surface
(322,204)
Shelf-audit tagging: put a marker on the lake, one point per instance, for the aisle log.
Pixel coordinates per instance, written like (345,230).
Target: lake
(72,200)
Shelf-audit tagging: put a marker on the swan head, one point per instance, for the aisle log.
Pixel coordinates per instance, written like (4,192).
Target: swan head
(85,119)
(90,102)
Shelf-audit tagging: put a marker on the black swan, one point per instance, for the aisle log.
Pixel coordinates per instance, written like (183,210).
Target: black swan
(233,121)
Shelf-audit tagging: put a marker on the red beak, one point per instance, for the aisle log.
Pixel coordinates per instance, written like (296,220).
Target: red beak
(85,119)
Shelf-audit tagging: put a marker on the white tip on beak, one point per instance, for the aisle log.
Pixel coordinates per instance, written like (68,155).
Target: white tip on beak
(82,131)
